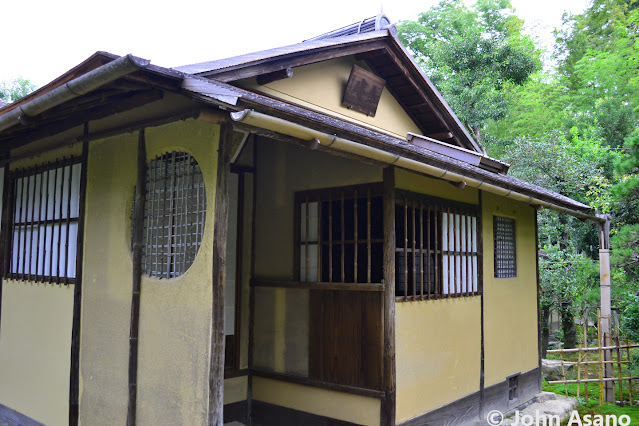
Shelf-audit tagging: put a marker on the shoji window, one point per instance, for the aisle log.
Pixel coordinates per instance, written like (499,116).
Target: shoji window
(174,214)
(44,222)
(340,235)
(437,248)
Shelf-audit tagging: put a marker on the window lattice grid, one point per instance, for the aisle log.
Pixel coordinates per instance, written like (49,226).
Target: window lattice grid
(505,247)
(437,249)
(174,215)
(340,235)
(44,222)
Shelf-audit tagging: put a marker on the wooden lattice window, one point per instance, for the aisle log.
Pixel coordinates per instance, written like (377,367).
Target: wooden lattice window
(437,248)
(174,214)
(505,247)
(44,222)
(339,235)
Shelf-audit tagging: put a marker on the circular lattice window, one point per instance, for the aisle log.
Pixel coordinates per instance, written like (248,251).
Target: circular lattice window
(174,214)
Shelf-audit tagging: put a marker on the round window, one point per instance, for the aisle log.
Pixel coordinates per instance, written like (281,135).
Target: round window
(174,215)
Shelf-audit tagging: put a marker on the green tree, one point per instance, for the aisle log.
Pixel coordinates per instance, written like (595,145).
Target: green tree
(16,89)
(472,55)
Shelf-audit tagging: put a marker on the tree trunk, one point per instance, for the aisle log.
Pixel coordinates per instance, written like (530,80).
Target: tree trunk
(568,325)
(545,328)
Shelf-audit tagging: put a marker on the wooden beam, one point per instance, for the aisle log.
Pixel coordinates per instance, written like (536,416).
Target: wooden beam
(138,234)
(440,136)
(274,76)
(216,368)
(119,104)
(388,407)
(74,385)
(270,64)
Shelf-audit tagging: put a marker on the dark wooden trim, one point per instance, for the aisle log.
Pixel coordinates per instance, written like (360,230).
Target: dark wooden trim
(538,296)
(239,251)
(216,369)
(320,286)
(11,417)
(6,218)
(482,313)
(74,387)
(269,65)
(235,412)
(231,373)
(387,414)
(249,389)
(317,383)
(138,228)
(466,410)
(128,128)
(376,190)
(274,76)
(115,105)
(265,414)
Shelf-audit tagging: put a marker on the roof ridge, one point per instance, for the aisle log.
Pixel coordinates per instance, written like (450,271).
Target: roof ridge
(374,23)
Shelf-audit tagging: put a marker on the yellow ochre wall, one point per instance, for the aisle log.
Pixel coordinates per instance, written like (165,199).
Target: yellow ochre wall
(175,314)
(35,337)
(437,342)
(321,87)
(35,350)
(281,315)
(510,304)
(348,407)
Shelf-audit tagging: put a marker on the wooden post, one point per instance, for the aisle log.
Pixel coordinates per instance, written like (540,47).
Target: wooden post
(388,403)
(216,371)
(604,274)
(74,385)
(138,233)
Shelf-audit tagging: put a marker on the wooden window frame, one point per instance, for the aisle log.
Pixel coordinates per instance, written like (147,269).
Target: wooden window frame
(426,213)
(64,219)
(170,246)
(505,246)
(339,195)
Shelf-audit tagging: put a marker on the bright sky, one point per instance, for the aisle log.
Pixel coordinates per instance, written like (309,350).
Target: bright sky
(42,39)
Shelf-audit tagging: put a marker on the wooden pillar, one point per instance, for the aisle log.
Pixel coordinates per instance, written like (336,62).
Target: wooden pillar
(604,275)
(388,403)
(216,371)
(74,380)
(138,234)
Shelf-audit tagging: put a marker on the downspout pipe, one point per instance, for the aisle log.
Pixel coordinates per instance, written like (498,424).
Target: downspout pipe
(72,89)
(264,121)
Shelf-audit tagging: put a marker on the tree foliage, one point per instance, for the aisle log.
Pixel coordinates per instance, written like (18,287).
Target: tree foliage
(16,89)
(472,55)
(571,126)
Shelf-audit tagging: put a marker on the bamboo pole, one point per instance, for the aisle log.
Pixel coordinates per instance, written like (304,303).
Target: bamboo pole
(629,380)
(619,364)
(607,379)
(600,344)
(579,372)
(563,370)
(593,349)
(585,327)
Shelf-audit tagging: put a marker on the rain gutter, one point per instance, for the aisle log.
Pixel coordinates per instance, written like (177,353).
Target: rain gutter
(74,88)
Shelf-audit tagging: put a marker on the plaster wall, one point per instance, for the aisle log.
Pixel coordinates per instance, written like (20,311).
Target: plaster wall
(338,405)
(175,314)
(35,349)
(281,315)
(438,341)
(321,87)
(35,335)
(510,304)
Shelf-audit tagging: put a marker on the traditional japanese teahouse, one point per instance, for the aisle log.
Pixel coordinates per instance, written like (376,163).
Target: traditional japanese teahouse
(301,235)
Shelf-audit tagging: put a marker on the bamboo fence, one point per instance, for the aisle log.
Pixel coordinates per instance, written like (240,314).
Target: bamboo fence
(585,355)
